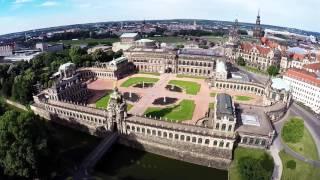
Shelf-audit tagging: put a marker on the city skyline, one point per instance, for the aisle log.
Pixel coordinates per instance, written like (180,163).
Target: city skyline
(34,14)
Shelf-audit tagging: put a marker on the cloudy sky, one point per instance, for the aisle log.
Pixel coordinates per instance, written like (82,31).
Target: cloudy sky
(19,15)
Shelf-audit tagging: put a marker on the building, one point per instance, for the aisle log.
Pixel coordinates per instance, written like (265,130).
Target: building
(104,48)
(259,56)
(45,47)
(145,43)
(305,87)
(67,85)
(115,69)
(221,70)
(129,38)
(257,31)
(297,60)
(6,50)
(195,62)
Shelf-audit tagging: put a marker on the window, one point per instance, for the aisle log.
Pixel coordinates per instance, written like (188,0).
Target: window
(159,133)
(215,142)
(176,136)
(221,144)
(188,138)
(182,137)
(199,140)
(207,141)
(194,139)
(170,135)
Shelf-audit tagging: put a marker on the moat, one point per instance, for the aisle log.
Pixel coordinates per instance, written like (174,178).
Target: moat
(130,164)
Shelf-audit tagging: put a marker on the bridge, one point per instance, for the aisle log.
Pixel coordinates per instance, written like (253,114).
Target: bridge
(91,160)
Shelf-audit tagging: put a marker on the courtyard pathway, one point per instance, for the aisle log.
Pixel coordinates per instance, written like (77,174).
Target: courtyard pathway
(148,95)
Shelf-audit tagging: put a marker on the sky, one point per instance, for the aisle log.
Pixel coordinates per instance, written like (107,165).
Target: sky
(21,15)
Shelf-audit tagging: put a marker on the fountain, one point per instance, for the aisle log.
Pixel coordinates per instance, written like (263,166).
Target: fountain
(164,101)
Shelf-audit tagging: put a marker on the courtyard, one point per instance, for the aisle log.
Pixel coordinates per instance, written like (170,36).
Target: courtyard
(165,96)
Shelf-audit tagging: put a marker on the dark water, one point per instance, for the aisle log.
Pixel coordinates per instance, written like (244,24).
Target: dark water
(129,164)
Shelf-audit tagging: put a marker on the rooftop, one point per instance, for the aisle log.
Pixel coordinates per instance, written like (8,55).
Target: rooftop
(304,76)
(224,104)
(129,35)
(280,84)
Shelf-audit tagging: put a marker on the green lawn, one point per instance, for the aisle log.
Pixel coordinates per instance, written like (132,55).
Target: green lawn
(150,73)
(190,87)
(213,94)
(137,80)
(103,102)
(301,171)
(169,39)
(182,111)
(243,98)
(216,39)
(240,152)
(190,76)
(88,40)
(306,146)
(255,70)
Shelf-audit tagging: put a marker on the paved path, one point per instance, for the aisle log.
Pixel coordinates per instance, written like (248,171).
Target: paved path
(148,95)
(311,123)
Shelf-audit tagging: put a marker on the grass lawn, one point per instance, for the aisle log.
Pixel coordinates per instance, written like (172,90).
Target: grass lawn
(243,98)
(190,76)
(182,111)
(255,70)
(137,80)
(215,39)
(240,152)
(88,40)
(129,106)
(169,39)
(150,73)
(306,146)
(301,170)
(190,87)
(103,102)
(213,94)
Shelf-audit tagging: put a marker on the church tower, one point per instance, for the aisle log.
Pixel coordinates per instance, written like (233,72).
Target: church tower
(257,31)
(116,112)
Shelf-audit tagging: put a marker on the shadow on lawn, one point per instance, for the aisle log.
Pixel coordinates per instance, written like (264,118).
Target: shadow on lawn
(162,112)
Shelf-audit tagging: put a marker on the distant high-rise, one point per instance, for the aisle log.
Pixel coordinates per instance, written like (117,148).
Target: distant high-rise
(257,31)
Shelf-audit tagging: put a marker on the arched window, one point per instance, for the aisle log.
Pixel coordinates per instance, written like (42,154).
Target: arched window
(223,128)
(217,126)
(159,133)
(194,139)
(230,127)
(188,138)
(207,141)
(199,140)
(165,134)
(215,142)
(182,137)
(170,135)
(221,144)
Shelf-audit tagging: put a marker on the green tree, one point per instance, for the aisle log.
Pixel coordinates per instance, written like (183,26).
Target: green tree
(273,70)
(24,147)
(99,55)
(252,169)
(75,54)
(241,61)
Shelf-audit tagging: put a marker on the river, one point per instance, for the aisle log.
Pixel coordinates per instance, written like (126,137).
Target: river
(130,164)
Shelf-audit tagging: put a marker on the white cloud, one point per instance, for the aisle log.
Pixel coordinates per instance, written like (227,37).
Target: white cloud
(22,1)
(49,3)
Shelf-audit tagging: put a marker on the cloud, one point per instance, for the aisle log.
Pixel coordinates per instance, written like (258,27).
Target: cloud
(22,1)
(49,3)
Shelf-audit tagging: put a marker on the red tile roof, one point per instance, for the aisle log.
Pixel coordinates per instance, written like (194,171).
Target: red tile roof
(304,76)
(247,47)
(315,66)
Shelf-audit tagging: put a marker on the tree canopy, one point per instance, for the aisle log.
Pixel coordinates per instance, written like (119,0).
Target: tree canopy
(252,169)
(23,145)
(273,70)
(241,61)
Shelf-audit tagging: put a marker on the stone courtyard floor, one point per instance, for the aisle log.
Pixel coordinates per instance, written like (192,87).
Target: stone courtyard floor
(158,90)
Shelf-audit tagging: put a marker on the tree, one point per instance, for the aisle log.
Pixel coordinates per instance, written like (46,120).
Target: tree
(99,55)
(251,169)
(24,147)
(241,61)
(273,70)
(2,106)
(75,54)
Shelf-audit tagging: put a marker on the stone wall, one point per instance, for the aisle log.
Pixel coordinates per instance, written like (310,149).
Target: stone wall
(220,159)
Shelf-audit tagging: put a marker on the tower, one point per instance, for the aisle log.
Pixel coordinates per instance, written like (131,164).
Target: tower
(116,112)
(234,37)
(257,31)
